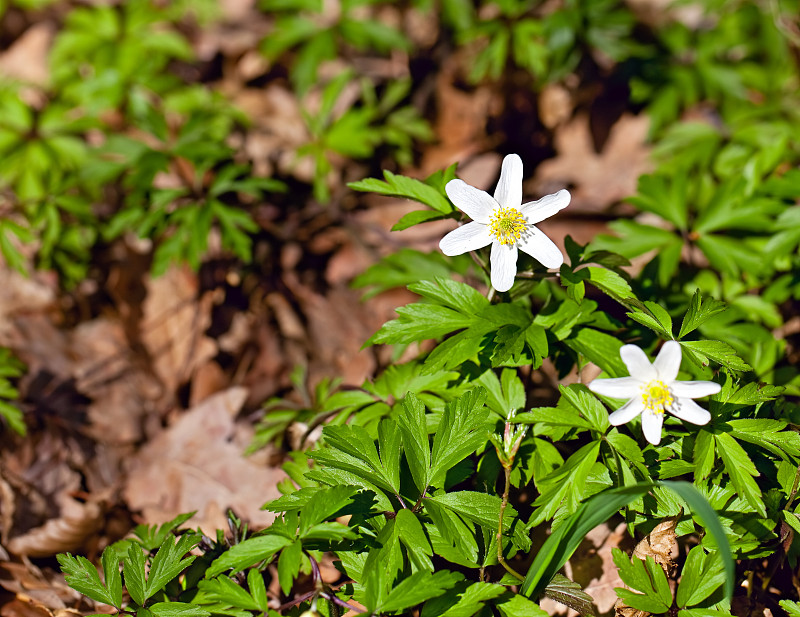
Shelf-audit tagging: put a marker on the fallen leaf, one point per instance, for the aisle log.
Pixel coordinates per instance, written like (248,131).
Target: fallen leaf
(596,180)
(173,326)
(195,464)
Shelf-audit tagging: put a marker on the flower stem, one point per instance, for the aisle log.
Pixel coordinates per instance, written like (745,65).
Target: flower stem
(500,558)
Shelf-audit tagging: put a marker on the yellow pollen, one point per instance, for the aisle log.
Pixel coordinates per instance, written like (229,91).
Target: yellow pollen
(507,225)
(657,397)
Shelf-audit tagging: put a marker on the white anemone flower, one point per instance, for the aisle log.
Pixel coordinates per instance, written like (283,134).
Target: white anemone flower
(653,389)
(504,222)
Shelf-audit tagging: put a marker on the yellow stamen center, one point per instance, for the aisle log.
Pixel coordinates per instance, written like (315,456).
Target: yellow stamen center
(507,225)
(657,397)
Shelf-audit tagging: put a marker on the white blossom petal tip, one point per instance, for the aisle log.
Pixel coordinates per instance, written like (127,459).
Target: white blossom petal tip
(653,390)
(506,224)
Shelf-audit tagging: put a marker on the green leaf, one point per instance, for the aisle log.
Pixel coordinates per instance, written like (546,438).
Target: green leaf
(223,589)
(699,312)
(258,590)
(462,600)
(82,576)
(741,470)
(461,431)
(169,562)
(133,569)
(702,574)
(112,575)
(289,565)
(600,348)
(644,576)
(566,485)
(411,419)
(792,608)
(412,535)
(401,186)
(415,218)
(351,448)
(418,588)
(585,403)
(245,554)
(177,609)
(721,353)
(612,284)
(483,509)
(520,606)
(323,505)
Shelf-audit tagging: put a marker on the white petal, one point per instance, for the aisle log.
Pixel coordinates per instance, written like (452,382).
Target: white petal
(627,412)
(537,211)
(686,409)
(638,365)
(616,387)
(504,265)
(541,248)
(509,187)
(475,203)
(694,389)
(651,427)
(469,237)
(668,361)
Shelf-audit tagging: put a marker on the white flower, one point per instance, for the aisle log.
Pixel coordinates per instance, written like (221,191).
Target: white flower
(504,222)
(653,389)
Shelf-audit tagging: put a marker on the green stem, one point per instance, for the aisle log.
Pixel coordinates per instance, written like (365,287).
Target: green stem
(500,558)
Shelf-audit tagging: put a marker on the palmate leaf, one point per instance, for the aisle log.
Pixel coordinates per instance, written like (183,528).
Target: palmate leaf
(351,448)
(169,562)
(82,576)
(646,577)
(699,312)
(461,431)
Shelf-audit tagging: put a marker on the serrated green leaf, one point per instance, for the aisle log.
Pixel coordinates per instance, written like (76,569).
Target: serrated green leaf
(461,431)
(417,588)
(169,562)
(177,609)
(133,570)
(401,186)
(112,575)
(413,425)
(324,505)
(258,590)
(740,470)
(246,553)
(82,576)
(702,574)
(520,606)
(289,565)
(699,312)
(719,352)
(462,600)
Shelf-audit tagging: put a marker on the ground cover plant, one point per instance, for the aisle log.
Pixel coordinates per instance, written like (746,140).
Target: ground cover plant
(579,342)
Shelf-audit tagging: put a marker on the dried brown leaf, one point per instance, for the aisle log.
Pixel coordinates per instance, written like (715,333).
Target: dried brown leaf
(76,523)
(596,180)
(197,463)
